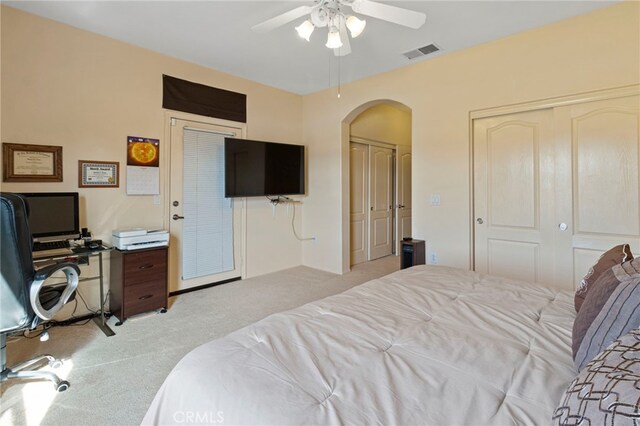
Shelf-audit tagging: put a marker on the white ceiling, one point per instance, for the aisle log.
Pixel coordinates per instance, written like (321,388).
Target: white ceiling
(217,34)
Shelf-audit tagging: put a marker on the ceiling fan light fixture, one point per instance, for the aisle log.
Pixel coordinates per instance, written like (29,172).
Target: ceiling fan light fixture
(355,25)
(333,39)
(305,29)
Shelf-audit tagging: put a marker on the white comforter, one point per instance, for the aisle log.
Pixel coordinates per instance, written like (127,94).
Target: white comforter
(426,345)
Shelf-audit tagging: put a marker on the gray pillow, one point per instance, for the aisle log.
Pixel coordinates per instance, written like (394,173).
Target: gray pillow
(613,256)
(606,391)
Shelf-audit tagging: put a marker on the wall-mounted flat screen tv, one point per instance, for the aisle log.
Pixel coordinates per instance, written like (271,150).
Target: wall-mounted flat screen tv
(258,168)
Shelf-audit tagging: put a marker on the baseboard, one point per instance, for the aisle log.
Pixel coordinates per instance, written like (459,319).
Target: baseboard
(200,287)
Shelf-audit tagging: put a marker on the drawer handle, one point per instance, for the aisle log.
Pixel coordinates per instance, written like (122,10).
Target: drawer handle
(148,296)
(147,266)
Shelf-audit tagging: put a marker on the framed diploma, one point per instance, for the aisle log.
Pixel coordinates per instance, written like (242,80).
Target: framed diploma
(98,174)
(31,163)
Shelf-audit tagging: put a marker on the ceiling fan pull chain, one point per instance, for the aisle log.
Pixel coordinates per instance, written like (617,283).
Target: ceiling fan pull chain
(339,75)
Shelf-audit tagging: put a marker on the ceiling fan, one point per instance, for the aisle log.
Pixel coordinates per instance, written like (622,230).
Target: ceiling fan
(331,14)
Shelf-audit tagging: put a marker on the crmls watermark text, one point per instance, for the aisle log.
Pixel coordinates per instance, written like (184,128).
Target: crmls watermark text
(199,417)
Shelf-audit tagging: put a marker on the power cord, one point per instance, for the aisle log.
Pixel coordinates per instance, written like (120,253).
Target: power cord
(281,199)
(73,320)
(293,218)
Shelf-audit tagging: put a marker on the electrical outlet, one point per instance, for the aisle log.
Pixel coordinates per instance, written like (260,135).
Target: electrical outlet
(435,199)
(433,258)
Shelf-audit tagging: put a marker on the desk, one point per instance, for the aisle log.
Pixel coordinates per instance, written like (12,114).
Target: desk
(85,253)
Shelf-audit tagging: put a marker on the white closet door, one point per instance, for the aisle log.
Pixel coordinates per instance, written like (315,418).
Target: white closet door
(403,194)
(513,190)
(381,199)
(597,167)
(359,201)
(555,188)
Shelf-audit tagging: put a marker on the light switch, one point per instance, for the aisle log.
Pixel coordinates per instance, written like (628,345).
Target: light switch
(435,199)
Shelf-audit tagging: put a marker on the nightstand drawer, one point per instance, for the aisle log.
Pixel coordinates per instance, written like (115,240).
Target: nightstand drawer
(145,266)
(144,297)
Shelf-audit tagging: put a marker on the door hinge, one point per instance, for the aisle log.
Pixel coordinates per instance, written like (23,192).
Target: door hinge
(173,122)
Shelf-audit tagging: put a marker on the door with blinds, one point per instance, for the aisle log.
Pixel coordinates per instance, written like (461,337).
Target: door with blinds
(205,227)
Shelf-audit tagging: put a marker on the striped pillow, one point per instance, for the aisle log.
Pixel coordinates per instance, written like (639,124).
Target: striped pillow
(611,309)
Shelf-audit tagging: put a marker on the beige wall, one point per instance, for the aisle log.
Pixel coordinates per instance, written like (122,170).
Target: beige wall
(63,86)
(384,123)
(594,51)
(87,93)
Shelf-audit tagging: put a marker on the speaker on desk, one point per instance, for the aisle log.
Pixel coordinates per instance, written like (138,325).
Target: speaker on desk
(413,253)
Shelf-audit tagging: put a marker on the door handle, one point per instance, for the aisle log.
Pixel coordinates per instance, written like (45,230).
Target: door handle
(400,206)
(176,217)
(479,221)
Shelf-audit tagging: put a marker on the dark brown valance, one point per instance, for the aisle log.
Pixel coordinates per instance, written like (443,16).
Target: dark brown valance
(195,98)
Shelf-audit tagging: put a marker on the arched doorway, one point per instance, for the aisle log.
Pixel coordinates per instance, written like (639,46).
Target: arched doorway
(376,180)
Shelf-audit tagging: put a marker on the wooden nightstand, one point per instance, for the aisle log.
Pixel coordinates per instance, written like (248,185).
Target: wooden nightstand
(413,253)
(138,282)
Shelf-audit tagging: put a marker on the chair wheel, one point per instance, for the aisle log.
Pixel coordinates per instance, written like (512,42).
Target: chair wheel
(63,386)
(163,310)
(56,363)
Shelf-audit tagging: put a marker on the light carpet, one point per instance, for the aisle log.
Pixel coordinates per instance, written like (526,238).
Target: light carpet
(113,379)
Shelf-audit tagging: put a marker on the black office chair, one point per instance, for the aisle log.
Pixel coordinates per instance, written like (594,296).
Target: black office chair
(24,299)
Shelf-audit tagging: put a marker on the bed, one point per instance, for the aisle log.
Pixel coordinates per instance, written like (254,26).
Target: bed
(425,345)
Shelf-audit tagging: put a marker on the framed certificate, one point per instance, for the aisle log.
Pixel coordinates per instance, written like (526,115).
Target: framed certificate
(98,174)
(31,163)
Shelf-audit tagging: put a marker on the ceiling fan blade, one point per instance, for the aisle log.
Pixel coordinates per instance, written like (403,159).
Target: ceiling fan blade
(397,15)
(282,19)
(344,37)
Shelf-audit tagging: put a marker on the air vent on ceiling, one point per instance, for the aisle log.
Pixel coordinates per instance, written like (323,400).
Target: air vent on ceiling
(421,51)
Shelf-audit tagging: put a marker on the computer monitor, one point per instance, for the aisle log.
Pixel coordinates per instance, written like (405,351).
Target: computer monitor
(53,215)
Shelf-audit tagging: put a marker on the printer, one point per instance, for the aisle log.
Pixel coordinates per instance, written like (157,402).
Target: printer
(139,238)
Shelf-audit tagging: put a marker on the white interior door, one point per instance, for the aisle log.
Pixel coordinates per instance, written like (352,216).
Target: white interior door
(205,227)
(513,195)
(403,194)
(359,201)
(598,196)
(381,199)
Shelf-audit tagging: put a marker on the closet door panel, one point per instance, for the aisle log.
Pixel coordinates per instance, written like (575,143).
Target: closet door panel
(605,144)
(512,175)
(359,199)
(598,146)
(513,193)
(381,199)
